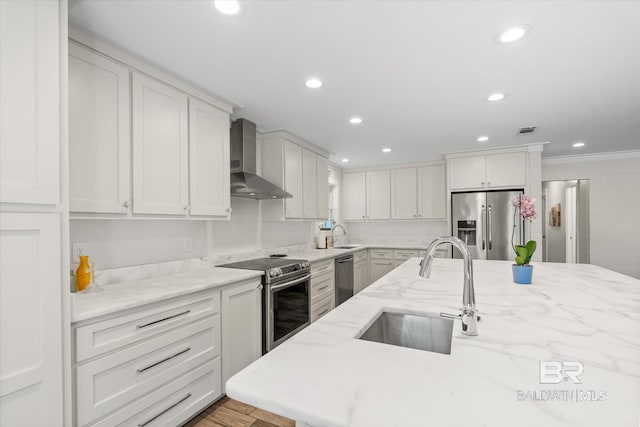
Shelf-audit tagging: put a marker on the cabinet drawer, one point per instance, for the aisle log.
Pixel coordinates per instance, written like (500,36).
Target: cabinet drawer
(404,254)
(110,382)
(174,403)
(101,337)
(323,307)
(322,267)
(322,286)
(381,253)
(359,256)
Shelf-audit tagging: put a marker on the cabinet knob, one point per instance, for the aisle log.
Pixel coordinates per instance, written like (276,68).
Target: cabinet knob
(363,216)
(482,183)
(125,204)
(228,210)
(488,182)
(186,207)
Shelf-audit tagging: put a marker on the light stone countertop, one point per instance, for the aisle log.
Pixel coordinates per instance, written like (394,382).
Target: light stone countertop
(128,294)
(323,376)
(315,255)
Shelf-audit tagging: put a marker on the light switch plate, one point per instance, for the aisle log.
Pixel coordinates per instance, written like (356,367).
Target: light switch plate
(77,250)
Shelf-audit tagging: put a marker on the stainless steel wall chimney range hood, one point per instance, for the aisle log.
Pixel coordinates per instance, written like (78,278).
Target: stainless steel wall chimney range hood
(244,181)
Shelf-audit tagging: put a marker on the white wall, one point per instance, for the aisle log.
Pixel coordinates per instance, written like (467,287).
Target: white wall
(614,206)
(121,243)
(419,233)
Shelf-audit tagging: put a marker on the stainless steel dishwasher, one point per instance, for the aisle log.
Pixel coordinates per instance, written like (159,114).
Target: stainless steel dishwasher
(344,279)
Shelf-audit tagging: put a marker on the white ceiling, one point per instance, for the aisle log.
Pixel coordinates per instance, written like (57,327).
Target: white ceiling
(417,72)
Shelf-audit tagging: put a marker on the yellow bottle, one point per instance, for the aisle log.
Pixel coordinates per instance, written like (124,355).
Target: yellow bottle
(83,274)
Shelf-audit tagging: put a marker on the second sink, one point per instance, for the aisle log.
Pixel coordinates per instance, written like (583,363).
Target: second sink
(429,333)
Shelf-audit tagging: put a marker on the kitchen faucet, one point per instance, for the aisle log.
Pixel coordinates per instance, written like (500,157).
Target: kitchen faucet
(344,232)
(468,315)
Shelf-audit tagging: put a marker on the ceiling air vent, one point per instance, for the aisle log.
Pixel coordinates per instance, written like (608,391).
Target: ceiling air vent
(527,130)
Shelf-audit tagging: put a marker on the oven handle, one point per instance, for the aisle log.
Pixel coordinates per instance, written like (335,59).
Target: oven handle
(288,284)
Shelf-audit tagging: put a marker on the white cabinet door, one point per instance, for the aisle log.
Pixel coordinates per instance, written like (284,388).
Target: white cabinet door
(241,327)
(293,179)
(506,170)
(208,160)
(378,268)
(99,133)
(354,196)
(30,102)
(322,169)
(467,172)
(403,193)
(160,148)
(309,185)
(379,195)
(31,327)
(360,276)
(432,192)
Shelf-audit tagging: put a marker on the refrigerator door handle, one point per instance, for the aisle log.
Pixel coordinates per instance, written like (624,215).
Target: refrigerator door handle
(489,228)
(482,215)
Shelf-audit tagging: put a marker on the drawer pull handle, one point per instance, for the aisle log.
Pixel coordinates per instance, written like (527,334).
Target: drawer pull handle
(165,411)
(323,268)
(325,311)
(164,360)
(162,320)
(324,287)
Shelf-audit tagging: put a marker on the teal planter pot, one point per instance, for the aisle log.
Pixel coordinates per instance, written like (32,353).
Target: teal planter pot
(522,274)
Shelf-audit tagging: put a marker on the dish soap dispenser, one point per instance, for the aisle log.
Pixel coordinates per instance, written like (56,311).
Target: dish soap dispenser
(83,274)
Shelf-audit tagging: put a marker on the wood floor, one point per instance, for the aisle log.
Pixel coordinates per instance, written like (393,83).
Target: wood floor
(227,412)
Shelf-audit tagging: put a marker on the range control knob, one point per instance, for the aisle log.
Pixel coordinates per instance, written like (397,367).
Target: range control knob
(275,272)
(305,264)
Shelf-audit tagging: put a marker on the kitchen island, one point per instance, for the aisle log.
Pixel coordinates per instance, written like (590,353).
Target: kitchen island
(581,315)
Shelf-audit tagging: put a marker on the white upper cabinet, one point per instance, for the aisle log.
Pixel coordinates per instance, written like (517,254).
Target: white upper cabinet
(99,133)
(467,172)
(354,196)
(208,160)
(488,171)
(30,102)
(160,148)
(300,171)
(506,170)
(322,188)
(403,193)
(309,185)
(432,192)
(293,179)
(378,194)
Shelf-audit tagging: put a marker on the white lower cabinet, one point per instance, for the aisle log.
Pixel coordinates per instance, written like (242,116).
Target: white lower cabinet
(241,327)
(156,365)
(322,293)
(379,267)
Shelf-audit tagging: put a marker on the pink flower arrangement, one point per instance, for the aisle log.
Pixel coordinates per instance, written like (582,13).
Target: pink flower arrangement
(526,205)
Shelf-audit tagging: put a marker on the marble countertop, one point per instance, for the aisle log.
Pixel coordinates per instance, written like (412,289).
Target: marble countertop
(323,376)
(127,294)
(322,254)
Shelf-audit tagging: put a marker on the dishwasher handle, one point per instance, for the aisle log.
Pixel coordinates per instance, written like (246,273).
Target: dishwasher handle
(344,259)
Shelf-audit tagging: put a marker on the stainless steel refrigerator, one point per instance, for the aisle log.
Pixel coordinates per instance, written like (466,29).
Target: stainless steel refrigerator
(485,222)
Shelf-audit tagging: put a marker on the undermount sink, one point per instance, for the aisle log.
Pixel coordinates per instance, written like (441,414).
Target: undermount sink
(429,333)
(346,247)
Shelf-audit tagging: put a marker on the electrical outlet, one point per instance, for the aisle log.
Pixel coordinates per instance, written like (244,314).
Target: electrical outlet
(77,250)
(188,245)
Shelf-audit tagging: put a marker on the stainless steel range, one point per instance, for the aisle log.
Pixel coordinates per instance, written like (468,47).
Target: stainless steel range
(285,297)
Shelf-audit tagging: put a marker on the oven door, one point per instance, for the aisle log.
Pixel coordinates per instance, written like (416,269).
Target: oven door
(287,310)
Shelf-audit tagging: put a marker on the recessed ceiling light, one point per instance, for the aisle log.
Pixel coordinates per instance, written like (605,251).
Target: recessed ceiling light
(512,34)
(313,83)
(483,138)
(345,160)
(228,7)
(386,150)
(495,97)
(578,145)
(355,120)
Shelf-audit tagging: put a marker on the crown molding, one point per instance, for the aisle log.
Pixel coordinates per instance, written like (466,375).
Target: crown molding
(580,158)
